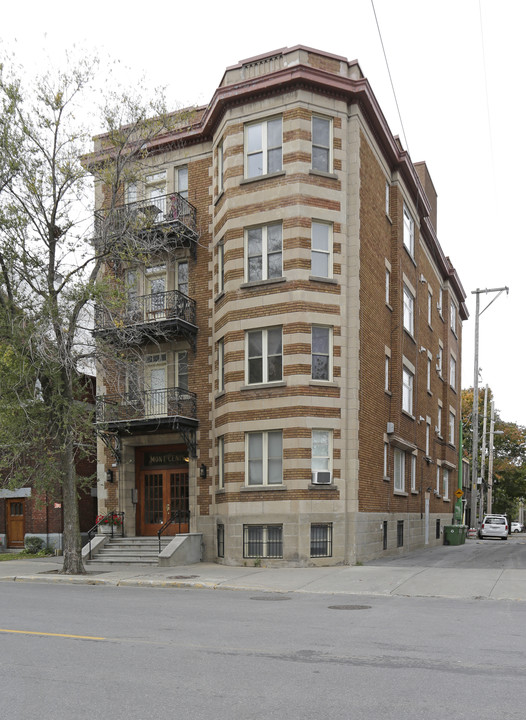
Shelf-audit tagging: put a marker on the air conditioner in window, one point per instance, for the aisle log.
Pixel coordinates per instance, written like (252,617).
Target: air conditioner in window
(321,477)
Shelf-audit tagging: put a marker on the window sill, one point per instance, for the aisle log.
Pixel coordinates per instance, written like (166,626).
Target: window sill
(218,198)
(388,218)
(386,478)
(220,491)
(414,492)
(323,173)
(410,335)
(389,307)
(323,486)
(430,393)
(259,488)
(219,296)
(318,278)
(408,414)
(264,386)
(323,383)
(219,394)
(258,283)
(268,176)
(401,493)
(388,392)
(446,499)
(408,251)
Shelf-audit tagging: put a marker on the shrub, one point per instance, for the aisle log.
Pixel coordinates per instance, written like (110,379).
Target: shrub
(33,544)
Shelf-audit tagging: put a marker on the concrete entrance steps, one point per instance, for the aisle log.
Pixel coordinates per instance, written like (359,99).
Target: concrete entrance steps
(129,550)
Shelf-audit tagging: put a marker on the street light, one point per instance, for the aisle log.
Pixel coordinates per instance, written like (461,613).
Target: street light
(475,449)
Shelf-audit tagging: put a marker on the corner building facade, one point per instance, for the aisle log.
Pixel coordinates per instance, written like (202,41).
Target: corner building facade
(323,359)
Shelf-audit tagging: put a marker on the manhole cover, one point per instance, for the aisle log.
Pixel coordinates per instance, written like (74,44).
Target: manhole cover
(349,607)
(183,577)
(270,597)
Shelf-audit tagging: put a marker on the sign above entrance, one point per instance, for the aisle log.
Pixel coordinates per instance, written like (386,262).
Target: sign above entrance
(164,459)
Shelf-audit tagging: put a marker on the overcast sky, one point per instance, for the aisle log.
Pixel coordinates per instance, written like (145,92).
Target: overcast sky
(456,67)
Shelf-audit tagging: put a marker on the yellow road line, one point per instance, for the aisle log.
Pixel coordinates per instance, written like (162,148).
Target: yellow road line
(31,632)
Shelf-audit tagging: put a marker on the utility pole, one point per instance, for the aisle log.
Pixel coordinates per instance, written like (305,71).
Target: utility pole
(483,454)
(475,448)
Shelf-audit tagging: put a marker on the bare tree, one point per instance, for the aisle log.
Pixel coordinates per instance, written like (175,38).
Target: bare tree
(54,267)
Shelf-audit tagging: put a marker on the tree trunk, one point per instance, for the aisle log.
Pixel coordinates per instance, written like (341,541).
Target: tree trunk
(72,545)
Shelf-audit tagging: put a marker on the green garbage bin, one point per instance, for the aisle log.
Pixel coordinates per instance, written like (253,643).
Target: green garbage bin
(454,535)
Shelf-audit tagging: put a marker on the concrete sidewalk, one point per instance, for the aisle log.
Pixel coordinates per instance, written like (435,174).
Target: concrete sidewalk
(387,579)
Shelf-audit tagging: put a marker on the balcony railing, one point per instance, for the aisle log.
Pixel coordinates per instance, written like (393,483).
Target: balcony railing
(171,214)
(146,407)
(166,308)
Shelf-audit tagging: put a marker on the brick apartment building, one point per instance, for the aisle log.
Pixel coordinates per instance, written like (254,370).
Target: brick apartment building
(295,389)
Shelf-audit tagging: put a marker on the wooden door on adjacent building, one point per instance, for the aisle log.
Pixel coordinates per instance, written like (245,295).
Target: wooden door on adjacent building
(15,522)
(162,494)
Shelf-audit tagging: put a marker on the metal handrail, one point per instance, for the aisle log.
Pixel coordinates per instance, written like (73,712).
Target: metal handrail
(146,404)
(145,214)
(93,531)
(155,307)
(176,517)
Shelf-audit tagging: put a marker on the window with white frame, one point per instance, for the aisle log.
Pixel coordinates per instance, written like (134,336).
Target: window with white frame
(321,249)
(429,307)
(321,342)
(428,436)
(221,462)
(263,252)
(407,390)
(399,470)
(321,458)
(264,353)
(321,143)
(387,286)
(409,232)
(453,317)
(264,458)
(181,181)
(386,460)
(263,147)
(181,276)
(387,198)
(387,386)
(181,369)
(155,189)
(220,169)
(220,267)
(428,374)
(440,305)
(131,192)
(445,483)
(451,437)
(413,473)
(452,371)
(439,419)
(437,489)
(440,360)
(409,310)
(220,365)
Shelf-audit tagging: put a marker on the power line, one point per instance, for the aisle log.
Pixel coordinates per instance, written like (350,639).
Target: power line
(390,77)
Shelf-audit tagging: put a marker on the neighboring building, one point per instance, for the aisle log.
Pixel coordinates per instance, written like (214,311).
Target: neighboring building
(28,511)
(297,339)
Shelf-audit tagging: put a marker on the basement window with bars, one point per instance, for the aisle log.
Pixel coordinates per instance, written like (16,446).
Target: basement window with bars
(399,533)
(221,541)
(321,540)
(263,541)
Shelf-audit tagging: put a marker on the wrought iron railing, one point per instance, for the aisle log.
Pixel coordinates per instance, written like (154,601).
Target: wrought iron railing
(165,306)
(113,520)
(144,215)
(146,405)
(178,517)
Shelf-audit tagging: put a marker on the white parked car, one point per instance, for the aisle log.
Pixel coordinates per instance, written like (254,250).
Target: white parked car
(494,526)
(517,527)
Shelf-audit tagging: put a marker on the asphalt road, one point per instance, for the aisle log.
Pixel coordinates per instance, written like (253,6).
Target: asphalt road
(90,652)
(475,554)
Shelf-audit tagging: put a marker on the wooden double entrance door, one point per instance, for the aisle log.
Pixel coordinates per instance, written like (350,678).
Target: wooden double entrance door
(163,492)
